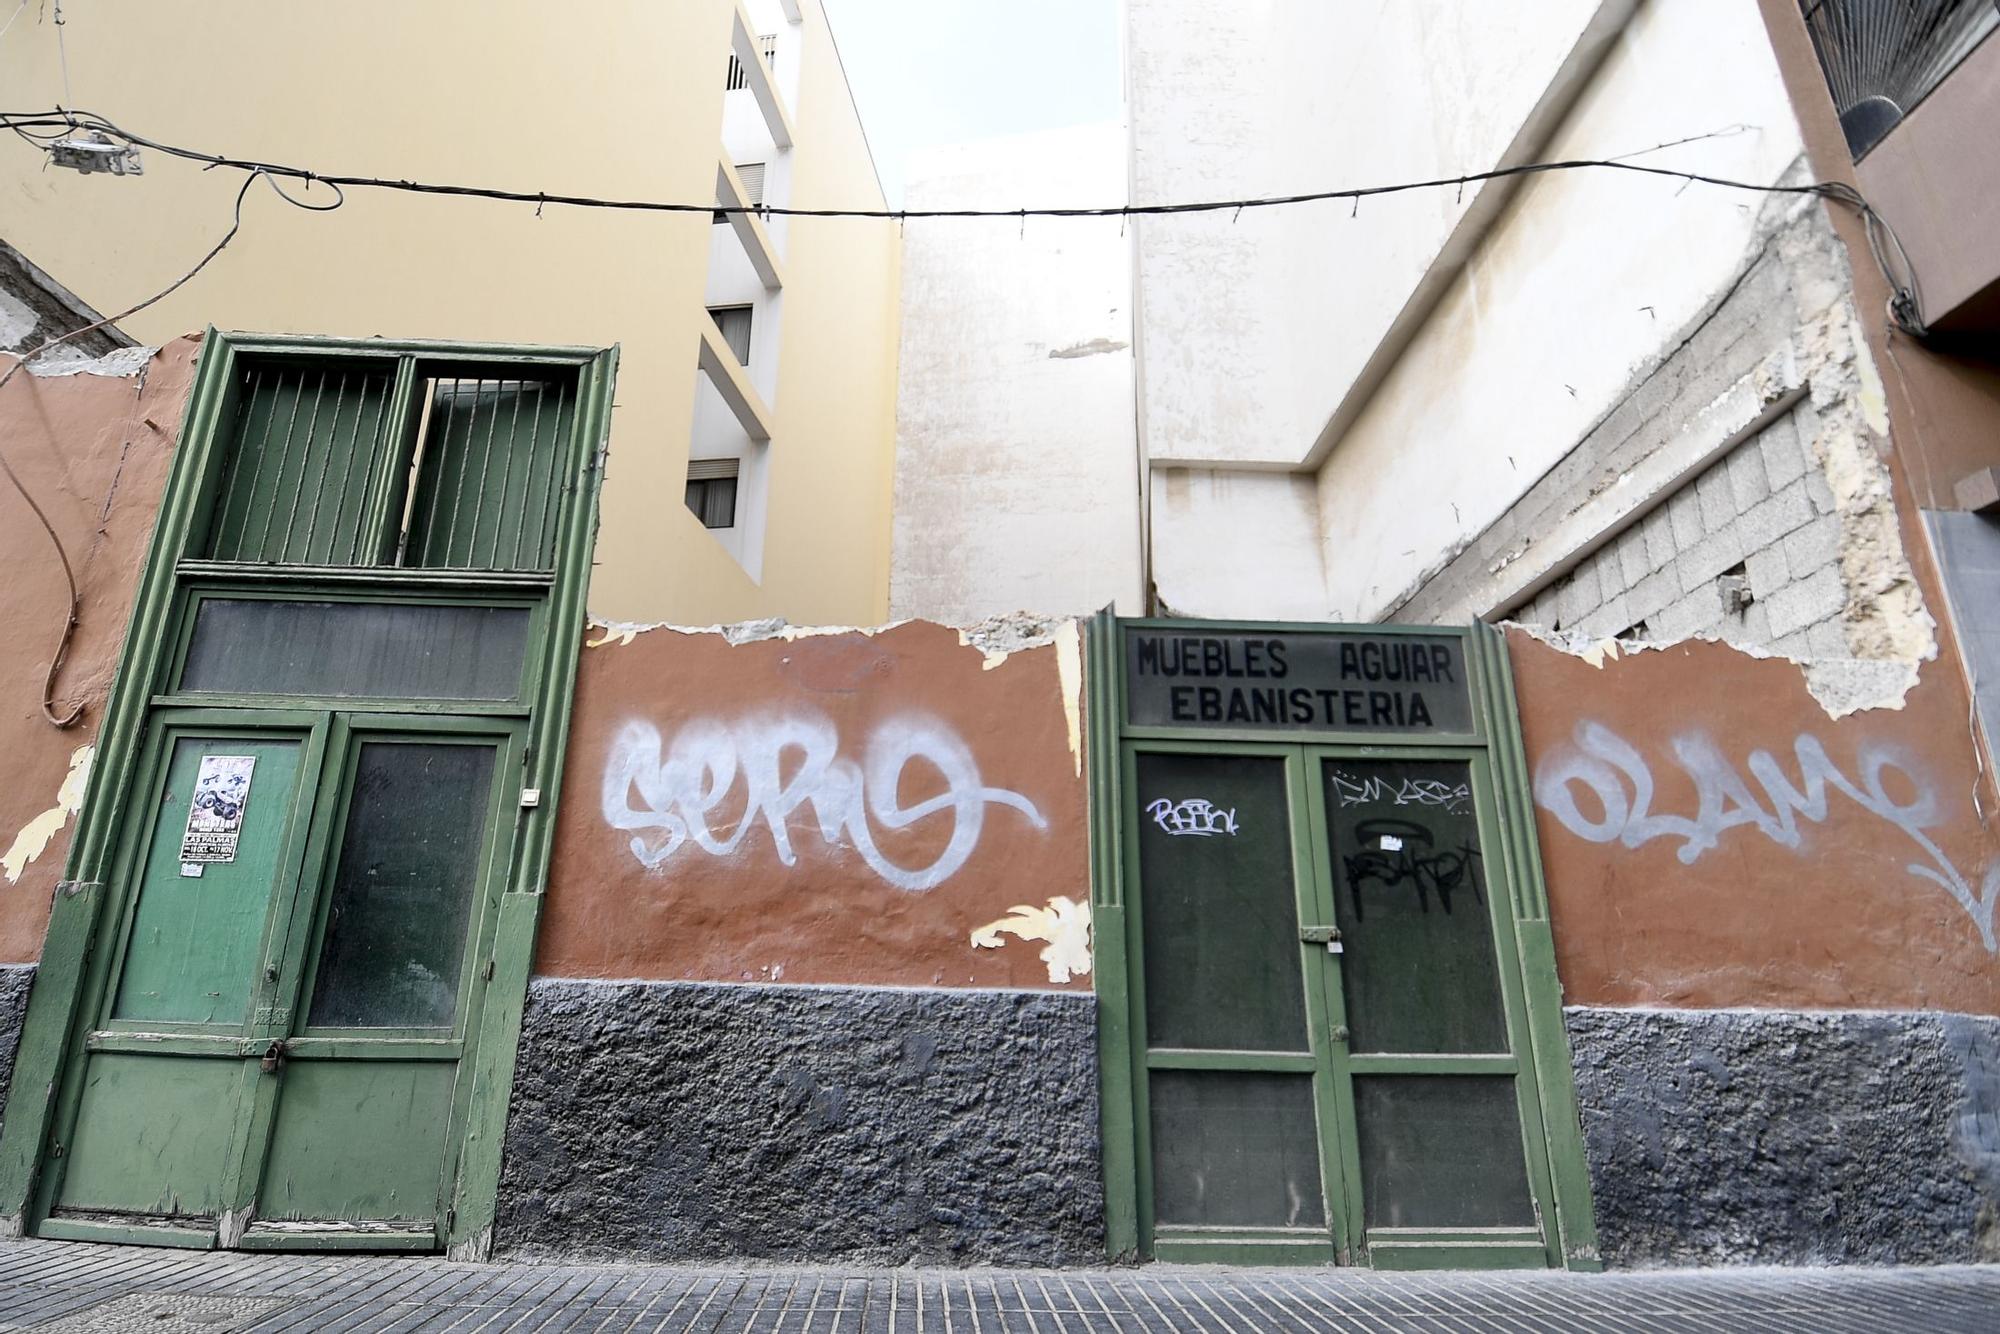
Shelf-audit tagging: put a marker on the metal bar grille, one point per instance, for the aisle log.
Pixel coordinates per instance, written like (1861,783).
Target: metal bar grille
(767,46)
(1882,57)
(306,441)
(488,481)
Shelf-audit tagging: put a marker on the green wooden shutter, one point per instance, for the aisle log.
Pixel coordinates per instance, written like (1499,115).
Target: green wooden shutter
(306,442)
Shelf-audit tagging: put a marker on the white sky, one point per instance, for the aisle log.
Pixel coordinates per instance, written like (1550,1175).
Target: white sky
(928,72)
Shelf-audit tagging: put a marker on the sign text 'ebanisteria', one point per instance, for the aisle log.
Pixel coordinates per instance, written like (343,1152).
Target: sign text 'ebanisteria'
(1323,681)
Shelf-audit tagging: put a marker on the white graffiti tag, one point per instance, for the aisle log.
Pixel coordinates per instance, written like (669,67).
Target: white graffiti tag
(670,793)
(1409,792)
(1194,816)
(1616,775)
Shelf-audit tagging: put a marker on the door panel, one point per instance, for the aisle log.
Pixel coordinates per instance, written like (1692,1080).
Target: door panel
(367,1095)
(1238,1108)
(1441,1151)
(1221,918)
(161,1100)
(192,954)
(153,1136)
(1235,1148)
(1418,970)
(393,948)
(1433,1083)
(358,1141)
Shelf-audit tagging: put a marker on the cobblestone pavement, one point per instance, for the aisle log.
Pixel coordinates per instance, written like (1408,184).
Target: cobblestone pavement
(62,1286)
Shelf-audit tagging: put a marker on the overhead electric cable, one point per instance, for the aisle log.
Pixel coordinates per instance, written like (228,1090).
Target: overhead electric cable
(1904,308)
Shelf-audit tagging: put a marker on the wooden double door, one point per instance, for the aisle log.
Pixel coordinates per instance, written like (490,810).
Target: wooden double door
(1330,1008)
(277,1016)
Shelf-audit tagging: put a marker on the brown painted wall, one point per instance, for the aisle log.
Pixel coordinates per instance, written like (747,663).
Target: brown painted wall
(656,875)
(1701,895)
(94,452)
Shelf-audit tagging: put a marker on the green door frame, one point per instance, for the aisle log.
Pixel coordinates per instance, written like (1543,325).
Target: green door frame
(173,575)
(1552,1127)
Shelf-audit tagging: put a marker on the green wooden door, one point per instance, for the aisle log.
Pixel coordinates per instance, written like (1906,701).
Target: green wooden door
(280,1029)
(1238,1122)
(1437,1100)
(1330,1066)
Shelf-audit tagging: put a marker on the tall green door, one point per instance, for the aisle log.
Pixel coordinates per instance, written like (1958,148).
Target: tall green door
(276,1056)
(1330,1032)
(288,959)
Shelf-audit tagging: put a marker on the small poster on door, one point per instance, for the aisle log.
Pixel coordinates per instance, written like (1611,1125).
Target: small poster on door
(215,817)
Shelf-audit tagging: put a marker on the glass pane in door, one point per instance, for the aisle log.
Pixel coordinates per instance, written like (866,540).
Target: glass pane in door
(1220,911)
(404,886)
(205,889)
(1233,1148)
(1418,965)
(1441,1151)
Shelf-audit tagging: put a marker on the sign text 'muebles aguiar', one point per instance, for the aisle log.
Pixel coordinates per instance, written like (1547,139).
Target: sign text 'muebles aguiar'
(1326,681)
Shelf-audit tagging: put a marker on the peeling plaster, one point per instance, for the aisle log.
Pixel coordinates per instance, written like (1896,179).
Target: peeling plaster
(1885,616)
(1069,670)
(35,836)
(1064,924)
(621,633)
(122,364)
(998,637)
(1839,685)
(1887,629)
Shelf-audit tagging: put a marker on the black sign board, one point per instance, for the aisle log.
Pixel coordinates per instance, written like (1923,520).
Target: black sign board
(1325,681)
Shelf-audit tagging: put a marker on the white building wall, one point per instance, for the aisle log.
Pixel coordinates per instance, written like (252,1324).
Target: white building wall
(1329,402)
(1017,474)
(1257,325)
(1583,282)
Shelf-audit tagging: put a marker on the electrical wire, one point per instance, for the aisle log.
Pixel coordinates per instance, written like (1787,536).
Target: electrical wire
(1904,306)
(21,360)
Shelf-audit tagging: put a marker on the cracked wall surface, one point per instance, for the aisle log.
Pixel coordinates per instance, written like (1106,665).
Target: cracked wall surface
(1789,542)
(1740,492)
(1781,1137)
(15,982)
(688,1121)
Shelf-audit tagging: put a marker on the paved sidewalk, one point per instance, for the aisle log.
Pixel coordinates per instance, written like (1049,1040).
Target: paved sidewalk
(62,1286)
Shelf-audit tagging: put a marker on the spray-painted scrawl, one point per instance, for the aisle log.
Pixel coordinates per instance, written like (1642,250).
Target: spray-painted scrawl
(760,771)
(1193,816)
(1617,778)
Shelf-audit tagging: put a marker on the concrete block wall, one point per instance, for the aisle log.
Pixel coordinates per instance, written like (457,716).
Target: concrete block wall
(1762,520)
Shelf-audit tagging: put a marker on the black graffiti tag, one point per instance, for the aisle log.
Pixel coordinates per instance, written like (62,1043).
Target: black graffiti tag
(1395,852)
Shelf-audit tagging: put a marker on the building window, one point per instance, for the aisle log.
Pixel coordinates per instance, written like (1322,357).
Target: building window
(734,324)
(752,176)
(1882,57)
(711,491)
(767,46)
(328,461)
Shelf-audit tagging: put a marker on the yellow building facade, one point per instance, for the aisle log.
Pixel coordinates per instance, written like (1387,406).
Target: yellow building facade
(696,100)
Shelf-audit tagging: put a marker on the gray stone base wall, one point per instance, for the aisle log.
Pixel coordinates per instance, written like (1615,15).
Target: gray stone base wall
(15,979)
(697,1121)
(1775,1137)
